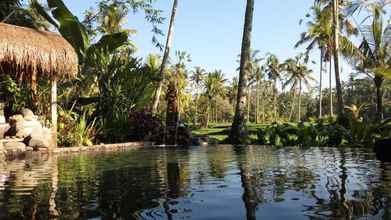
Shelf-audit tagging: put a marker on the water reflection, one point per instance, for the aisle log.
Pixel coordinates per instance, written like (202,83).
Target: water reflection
(221,182)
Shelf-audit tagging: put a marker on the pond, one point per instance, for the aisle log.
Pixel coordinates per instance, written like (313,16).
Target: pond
(220,182)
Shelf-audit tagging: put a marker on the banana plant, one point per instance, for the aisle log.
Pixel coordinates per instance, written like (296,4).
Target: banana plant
(69,26)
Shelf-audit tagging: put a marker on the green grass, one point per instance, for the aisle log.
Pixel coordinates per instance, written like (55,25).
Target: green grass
(221,131)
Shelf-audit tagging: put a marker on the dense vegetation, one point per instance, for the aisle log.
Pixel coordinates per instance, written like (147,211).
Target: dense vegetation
(114,87)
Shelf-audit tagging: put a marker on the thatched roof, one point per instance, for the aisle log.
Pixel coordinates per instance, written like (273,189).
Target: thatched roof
(30,53)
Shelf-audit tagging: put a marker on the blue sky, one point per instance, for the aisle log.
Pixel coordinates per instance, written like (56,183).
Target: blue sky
(211,30)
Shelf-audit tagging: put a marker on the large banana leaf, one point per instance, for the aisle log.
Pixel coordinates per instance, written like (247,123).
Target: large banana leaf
(110,42)
(67,24)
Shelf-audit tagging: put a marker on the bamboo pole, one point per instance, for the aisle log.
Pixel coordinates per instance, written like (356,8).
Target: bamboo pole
(54,112)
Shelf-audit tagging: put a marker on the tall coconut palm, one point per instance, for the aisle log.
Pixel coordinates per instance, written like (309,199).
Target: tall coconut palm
(197,77)
(165,56)
(274,71)
(258,75)
(336,43)
(298,73)
(239,121)
(233,90)
(375,48)
(255,74)
(339,42)
(318,35)
(214,86)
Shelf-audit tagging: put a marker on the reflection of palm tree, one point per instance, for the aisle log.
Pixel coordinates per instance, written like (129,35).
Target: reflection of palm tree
(249,194)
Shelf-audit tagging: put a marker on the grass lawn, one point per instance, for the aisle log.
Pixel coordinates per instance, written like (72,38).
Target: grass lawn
(221,131)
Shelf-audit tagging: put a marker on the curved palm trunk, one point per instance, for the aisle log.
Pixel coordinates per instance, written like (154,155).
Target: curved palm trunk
(299,113)
(165,57)
(379,97)
(239,122)
(321,83)
(338,86)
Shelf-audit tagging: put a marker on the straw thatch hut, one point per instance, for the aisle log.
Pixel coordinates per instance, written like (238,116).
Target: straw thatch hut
(29,54)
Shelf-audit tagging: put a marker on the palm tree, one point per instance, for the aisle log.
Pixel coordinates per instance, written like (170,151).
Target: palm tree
(233,90)
(214,85)
(239,121)
(338,86)
(112,18)
(273,71)
(375,47)
(318,35)
(165,56)
(255,74)
(339,43)
(197,77)
(298,73)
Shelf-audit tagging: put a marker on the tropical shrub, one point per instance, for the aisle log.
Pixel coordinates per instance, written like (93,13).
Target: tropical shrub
(75,130)
(145,126)
(304,134)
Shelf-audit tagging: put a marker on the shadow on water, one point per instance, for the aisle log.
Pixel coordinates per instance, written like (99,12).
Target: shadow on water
(222,182)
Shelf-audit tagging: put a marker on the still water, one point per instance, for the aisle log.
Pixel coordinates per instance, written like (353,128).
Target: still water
(199,183)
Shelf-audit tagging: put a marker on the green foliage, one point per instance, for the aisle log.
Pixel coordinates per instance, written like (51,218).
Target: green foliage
(74,129)
(324,132)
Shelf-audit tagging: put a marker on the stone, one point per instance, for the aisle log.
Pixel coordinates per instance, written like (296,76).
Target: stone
(14,145)
(14,149)
(14,119)
(26,128)
(39,139)
(3,129)
(28,115)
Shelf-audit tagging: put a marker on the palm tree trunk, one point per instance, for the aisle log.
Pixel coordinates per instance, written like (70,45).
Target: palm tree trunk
(321,83)
(293,105)
(257,102)
(263,104)
(172,114)
(249,105)
(239,122)
(207,113)
(196,111)
(275,100)
(165,57)
(216,119)
(338,86)
(299,113)
(331,90)
(379,97)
